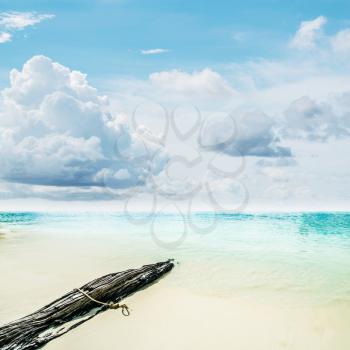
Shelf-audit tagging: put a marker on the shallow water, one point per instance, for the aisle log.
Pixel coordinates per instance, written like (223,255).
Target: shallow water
(298,261)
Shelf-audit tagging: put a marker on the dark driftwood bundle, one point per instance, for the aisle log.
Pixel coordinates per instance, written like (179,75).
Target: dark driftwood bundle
(75,308)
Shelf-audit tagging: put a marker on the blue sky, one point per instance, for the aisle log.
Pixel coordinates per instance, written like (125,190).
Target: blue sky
(88,88)
(105,37)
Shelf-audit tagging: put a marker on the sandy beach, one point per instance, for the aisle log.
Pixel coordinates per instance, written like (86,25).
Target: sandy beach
(225,293)
(168,317)
(164,318)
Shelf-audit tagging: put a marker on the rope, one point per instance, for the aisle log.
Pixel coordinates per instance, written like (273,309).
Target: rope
(110,305)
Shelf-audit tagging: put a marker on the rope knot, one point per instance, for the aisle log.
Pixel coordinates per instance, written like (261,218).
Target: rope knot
(110,305)
(125,310)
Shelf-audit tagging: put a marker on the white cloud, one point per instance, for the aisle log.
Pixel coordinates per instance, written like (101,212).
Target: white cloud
(206,82)
(13,21)
(52,134)
(239,36)
(56,130)
(20,20)
(206,89)
(310,36)
(341,41)
(314,121)
(271,85)
(5,37)
(154,51)
(308,33)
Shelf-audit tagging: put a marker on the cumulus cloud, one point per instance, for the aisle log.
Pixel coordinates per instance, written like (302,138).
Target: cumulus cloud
(308,33)
(251,134)
(204,82)
(314,121)
(56,130)
(341,41)
(205,89)
(154,51)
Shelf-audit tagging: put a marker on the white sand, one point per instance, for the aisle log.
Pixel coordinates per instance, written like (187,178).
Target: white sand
(168,315)
(169,319)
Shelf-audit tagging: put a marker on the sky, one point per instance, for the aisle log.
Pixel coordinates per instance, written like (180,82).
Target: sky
(224,105)
(105,37)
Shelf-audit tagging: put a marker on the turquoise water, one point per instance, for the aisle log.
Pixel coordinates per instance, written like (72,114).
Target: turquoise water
(298,258)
